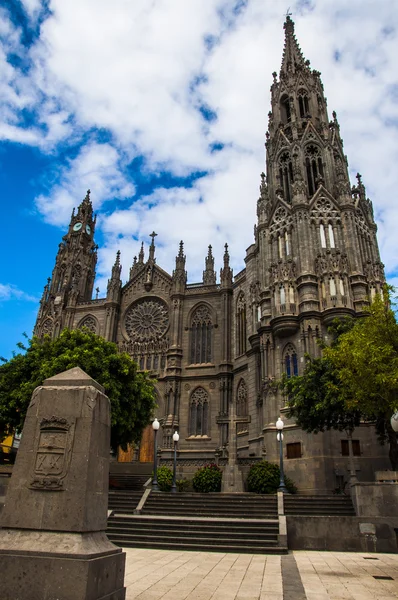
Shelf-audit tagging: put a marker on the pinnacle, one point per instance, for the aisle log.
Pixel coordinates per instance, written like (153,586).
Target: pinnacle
(292,55)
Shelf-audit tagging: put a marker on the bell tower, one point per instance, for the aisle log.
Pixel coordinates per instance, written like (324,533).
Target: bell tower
(317,234)
(73,275)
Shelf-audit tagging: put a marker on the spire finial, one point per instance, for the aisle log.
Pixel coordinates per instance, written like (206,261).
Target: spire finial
(141,254)
(152,246)
(292,55)
(181,250)
(209,275)
(226,273)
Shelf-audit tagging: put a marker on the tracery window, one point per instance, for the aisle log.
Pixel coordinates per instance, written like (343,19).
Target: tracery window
(332,286)
(290,360)
(286,175)
(314,166)
(199,413)
(304,106)
(241,324)
(201,335)
(89,322)
(241,404)
(47,327)
(282,295)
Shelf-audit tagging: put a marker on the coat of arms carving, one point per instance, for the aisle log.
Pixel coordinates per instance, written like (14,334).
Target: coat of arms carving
(52,454)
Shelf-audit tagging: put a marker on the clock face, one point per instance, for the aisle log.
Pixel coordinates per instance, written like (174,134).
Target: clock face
(88,229)
(77,226)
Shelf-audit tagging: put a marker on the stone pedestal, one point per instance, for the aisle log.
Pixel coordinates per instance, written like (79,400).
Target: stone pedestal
(52,542)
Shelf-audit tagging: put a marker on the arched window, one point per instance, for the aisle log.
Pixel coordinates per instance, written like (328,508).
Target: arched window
(90,322)
(201,330)
(332,285)
(241,324)
(285,109)
(314,166)
(241,404)
(282,295)
(47,327)
(199,412)
(287,246)
(304,106)
(322,234)
(286,175)
(280,242)
(290,360)
(331,236)
(342,288)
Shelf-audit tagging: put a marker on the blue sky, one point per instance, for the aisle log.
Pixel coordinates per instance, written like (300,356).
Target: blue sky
(160,108)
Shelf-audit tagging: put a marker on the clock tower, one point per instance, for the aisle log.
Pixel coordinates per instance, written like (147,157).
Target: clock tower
(73,275)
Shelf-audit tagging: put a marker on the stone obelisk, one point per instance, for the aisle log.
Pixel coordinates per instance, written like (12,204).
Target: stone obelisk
(53,544)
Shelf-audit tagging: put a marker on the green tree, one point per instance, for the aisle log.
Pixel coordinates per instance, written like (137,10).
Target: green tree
(355,380)
(365,359)
(131,393)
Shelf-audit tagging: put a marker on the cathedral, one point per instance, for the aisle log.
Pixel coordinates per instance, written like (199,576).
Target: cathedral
(218,348)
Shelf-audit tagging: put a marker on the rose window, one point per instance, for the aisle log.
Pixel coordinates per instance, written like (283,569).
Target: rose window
(147,320)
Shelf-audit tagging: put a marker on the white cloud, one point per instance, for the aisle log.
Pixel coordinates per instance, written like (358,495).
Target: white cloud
(97,167)
(12,292)
(141,70)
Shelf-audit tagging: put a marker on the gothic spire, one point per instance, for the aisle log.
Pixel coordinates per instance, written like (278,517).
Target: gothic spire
(141,255)
(133,268)
(292,58)
(114,283)
(117,268)
(209,275)
(180,274)
(226,272)
(85,208)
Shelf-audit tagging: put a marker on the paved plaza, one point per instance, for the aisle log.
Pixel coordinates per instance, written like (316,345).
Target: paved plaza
(173,575)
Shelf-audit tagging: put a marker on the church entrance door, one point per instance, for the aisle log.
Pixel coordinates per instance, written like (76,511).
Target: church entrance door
(147,445)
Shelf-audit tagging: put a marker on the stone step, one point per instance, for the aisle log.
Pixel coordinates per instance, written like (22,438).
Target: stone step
(186,528)
(199,547)
(213,513)
(202,540)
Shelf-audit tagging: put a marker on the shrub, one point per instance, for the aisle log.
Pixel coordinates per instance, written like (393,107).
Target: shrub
(207,479)
(263,478)
(165,479)
(183,485)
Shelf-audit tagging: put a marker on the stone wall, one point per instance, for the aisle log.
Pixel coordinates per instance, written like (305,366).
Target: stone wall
(343,534)
(375,499)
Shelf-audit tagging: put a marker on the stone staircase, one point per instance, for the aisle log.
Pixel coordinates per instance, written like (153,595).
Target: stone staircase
(319,506)
(206,522)
(240,506)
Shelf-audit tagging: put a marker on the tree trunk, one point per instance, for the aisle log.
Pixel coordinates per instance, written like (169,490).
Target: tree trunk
(393,441)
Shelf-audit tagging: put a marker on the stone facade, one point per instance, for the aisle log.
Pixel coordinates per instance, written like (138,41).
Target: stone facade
(315,257)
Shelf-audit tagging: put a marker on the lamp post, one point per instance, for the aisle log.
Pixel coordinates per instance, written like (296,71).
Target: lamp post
(155,427)
(176,437)
(279,437)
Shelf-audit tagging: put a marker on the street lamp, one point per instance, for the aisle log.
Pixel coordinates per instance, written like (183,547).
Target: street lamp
(155,427)
(176,437)
(394,421)
(279,437)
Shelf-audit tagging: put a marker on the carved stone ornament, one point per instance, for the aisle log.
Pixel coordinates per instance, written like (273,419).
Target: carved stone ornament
(147,320)
(52,454)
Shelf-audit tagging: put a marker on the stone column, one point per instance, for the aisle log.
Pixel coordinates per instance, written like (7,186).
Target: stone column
(232,480)
(53,542)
